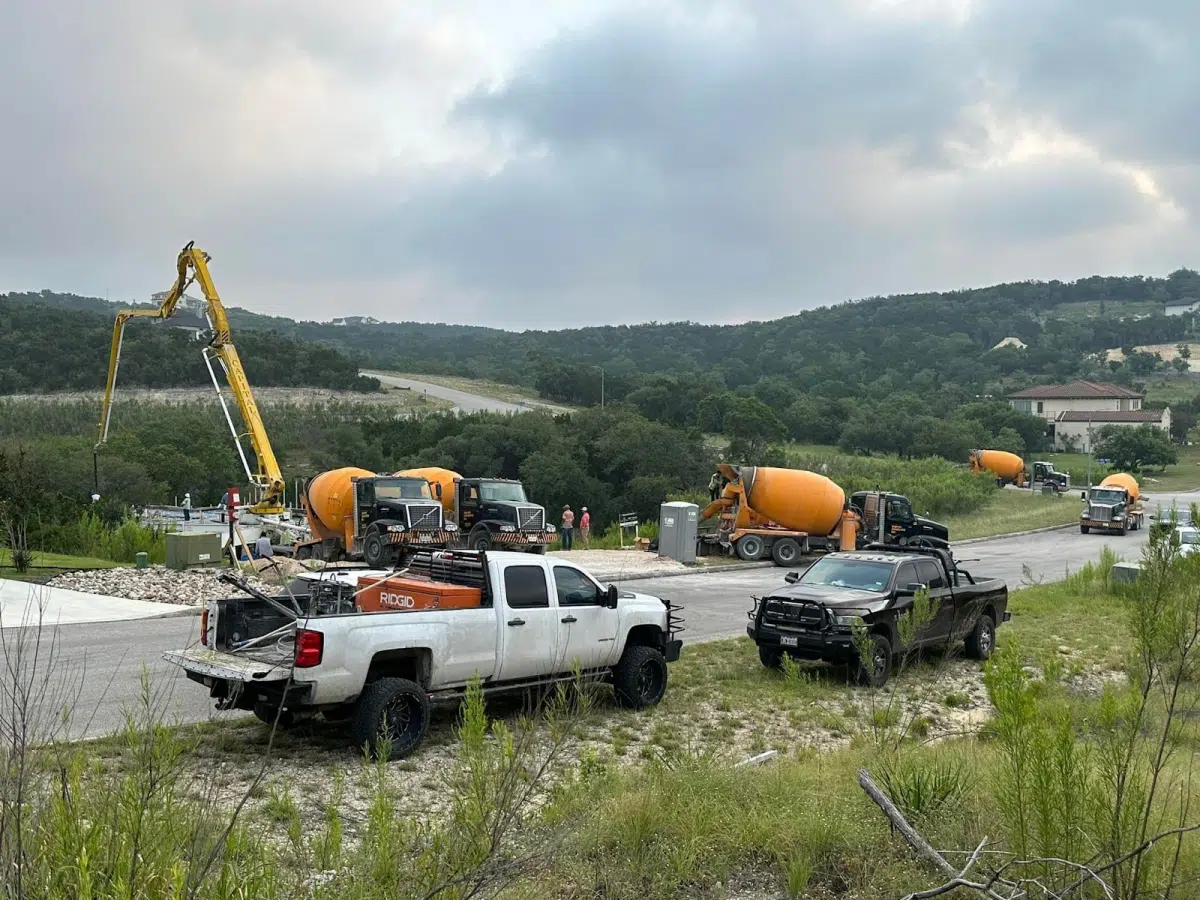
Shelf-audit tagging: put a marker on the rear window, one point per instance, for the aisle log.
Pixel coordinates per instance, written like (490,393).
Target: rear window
(525,587)
(855,574)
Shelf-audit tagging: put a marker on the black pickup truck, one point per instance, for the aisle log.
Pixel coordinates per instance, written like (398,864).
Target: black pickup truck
(812,615)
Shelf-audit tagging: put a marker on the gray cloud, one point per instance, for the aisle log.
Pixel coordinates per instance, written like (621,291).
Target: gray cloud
(632,167)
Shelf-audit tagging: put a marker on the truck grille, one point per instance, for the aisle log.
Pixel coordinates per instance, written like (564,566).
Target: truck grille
(531,518)
(425,516)
(1100,513)
(788,612)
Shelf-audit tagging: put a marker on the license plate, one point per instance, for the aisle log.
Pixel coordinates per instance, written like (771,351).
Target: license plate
(424,539)
(533,538)
(789,641)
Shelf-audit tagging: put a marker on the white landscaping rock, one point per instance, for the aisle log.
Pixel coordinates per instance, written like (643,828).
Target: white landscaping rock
(158,584)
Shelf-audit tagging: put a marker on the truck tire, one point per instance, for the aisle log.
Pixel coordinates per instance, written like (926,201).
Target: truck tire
(881,653)
(770,657)
(750,548)
(982,639)
(640,678)
(375,550)
(785,552)
(395,707)
(480,540)
(1083,529)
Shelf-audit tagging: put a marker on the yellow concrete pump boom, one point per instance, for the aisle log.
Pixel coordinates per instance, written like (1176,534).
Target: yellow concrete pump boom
(193,266)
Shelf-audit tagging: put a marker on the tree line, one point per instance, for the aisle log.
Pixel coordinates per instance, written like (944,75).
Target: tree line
(44,347)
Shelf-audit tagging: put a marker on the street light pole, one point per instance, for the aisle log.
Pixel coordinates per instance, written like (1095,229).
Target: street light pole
(601,368)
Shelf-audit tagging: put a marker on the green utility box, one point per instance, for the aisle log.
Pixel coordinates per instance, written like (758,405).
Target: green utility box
(197,549)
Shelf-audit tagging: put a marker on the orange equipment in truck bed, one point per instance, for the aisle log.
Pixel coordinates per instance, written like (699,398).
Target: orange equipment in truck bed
(413,592)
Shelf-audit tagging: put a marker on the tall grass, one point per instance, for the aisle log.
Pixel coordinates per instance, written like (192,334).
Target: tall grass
(91,536)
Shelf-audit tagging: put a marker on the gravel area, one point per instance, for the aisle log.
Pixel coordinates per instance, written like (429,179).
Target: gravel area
(615,564)
(156,584)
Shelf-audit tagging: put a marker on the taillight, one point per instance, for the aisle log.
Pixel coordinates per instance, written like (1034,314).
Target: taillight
(204,627)
(310,647)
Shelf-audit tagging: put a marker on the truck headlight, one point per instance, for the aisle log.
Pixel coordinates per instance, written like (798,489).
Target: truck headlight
(450,526)
(508,527)
(396,528)
(848,621)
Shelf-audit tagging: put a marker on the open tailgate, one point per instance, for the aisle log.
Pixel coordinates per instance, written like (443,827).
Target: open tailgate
(228,666)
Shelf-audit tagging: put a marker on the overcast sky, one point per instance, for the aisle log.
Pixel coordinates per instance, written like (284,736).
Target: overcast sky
(580,161)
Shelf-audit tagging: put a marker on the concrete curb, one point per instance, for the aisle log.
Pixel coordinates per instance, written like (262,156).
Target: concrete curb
(1011,534)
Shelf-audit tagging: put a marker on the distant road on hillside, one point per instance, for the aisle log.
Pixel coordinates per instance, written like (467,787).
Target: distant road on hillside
(463,401)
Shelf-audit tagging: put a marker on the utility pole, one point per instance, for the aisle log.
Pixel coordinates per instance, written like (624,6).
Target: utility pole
(1090,447)
(601,368)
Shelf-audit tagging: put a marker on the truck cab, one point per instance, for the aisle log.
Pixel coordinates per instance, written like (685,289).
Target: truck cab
(394,516)
(889,519)
(1044,473)
(1110,509)
(494,512)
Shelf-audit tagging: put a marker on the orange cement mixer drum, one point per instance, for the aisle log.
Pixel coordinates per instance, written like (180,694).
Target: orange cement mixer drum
(794,498)
(1123,480)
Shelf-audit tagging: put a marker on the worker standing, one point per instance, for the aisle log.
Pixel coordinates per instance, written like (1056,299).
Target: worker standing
(568,527)
(714,486)
(224,506)
(585,528)
(263,548)
(187,507)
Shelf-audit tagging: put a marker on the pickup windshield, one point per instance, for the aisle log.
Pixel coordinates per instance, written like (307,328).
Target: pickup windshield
(1107,496)
(502,491)
(855,574)
(402,489)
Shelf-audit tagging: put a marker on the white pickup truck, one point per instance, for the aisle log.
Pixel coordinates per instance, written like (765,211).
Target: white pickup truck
(511,619)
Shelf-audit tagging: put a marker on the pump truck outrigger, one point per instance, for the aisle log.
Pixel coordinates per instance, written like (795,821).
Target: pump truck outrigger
(192,265)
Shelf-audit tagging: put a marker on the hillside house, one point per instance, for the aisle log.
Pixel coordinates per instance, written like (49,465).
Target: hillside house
(1076,411)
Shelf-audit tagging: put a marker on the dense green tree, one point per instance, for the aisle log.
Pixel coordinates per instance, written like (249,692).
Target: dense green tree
(1135,449)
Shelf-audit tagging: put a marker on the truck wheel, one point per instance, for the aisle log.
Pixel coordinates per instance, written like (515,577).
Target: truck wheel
(982,639)
(750,547)
(770,657)
(480,540)
(392,713)
(640,678)
(881,667)
(1083,529)
(785,552)
(375,550)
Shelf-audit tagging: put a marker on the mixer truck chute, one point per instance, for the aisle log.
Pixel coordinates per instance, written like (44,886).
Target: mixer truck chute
(784,513)
(489,512)
(356,514)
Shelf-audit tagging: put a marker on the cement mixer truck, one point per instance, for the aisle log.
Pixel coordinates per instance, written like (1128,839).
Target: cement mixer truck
(1114,506)
(784,513)
(488,512)
(1010,469)
(355,514)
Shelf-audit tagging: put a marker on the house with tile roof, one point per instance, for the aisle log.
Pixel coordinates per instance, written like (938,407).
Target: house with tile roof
(1078,410)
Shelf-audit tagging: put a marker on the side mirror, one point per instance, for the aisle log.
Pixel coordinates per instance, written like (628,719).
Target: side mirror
(791,577)
(437,491)
(910,590)
(1083,496)
(611,596)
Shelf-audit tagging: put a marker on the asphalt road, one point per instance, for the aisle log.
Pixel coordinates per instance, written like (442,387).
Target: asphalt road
(463,401)
(105,662)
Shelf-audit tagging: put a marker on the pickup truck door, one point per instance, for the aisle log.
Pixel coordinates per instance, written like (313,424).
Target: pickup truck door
(528,622)
(587,630)
(930,574)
